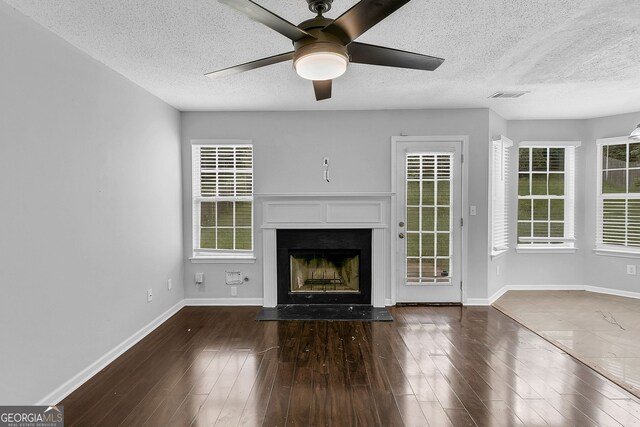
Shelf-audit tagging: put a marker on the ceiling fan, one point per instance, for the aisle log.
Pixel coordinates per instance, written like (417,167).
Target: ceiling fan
(323,47)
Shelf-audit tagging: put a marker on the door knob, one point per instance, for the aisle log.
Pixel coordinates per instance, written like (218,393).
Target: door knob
(401,235)
(401,224)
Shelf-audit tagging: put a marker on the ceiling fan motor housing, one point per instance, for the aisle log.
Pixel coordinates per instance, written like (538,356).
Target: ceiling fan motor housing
(323,42)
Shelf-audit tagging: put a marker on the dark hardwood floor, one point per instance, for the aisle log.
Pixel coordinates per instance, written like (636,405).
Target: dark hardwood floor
(433,366)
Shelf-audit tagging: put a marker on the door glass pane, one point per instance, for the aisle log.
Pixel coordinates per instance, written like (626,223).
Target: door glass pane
(429,218)
(413,218)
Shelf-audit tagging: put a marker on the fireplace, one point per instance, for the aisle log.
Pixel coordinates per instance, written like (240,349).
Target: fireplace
(324,266)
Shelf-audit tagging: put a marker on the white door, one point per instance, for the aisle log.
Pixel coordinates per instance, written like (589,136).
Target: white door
(428,230)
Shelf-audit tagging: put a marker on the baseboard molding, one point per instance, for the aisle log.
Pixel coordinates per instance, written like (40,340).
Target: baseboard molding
(614,292)
(476,301)
(223,301)
(387,302)
(83,376)
(595,289)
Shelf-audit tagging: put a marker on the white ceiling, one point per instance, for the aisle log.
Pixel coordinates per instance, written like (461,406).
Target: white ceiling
(579,58)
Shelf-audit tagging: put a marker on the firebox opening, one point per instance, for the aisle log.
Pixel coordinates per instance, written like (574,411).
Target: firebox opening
(323,266)
(325,272)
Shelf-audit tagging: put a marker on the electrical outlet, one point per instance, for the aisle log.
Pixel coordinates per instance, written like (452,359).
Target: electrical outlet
(149,295)
(631,269)
(234,291)
(169,284)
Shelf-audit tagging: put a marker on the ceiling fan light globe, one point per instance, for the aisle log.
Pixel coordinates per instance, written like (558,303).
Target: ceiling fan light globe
(321,65)
(635,135)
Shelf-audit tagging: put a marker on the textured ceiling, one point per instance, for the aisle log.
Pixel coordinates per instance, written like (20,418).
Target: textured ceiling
(578,58)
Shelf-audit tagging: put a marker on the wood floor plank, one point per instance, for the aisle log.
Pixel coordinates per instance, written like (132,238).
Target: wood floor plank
(341,409)
(374,339)
(278,407)
(301,395)
(187,411)
(239,394)
(411,412)
(437,366)
(162,402)
(217,397)
(254,411)
(435,414)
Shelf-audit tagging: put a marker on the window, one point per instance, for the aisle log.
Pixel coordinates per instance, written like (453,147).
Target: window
(222,199)
(618,217)
(498,180)
(546,196)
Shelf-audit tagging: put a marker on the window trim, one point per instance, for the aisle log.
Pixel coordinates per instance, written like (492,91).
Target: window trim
(220,256)
(603,248)
(505,168)
(569,211)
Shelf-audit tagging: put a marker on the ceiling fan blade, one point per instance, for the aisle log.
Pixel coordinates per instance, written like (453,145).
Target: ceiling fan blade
(322,89)
(251,65)
(268,18)
(362,16)
(362,53)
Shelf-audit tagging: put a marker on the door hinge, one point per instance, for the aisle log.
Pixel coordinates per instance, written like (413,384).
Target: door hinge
(460,284)
(461,222)
(461,158)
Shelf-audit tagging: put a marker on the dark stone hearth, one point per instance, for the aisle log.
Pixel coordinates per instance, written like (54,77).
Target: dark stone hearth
(365,313)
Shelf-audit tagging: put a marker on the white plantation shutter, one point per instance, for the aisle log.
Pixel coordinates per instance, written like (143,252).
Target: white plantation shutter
(499,176)
(618,216)
(222,173)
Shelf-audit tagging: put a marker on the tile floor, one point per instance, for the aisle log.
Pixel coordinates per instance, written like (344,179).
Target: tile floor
(602,331)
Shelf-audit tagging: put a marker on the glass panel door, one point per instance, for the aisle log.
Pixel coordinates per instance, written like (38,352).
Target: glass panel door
(429,213)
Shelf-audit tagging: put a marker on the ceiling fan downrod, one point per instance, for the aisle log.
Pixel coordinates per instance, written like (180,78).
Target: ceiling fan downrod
(319,6)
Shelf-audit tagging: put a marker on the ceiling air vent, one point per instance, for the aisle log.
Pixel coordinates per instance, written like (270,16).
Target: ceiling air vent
(513,94)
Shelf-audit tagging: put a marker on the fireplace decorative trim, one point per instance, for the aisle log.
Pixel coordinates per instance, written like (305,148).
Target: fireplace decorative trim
(317,212)
(332,213)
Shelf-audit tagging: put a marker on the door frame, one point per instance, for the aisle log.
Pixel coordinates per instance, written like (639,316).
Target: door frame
(394,229)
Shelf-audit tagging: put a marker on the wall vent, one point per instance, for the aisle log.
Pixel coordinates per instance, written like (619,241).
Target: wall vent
(512,94)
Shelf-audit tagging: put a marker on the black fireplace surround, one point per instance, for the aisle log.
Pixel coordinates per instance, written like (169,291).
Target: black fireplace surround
(330,244)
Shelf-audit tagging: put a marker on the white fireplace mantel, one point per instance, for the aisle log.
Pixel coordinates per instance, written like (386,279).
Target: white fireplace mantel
(368,211)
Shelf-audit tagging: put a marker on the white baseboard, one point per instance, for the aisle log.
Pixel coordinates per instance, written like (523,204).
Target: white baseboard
(223,301)
(595,289)
(83,376)
(387,302)
(476,301)
(615,292)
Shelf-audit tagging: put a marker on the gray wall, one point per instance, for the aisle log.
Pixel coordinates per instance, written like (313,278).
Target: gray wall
(288,150)
(605,271)
(90,215)
(548,269)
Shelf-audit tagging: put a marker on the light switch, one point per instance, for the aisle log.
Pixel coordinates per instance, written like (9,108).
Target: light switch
(472,210)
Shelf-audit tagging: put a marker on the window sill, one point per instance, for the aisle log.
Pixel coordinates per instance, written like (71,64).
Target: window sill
(498,254)
(546,250)
(232,259)
(616,253)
